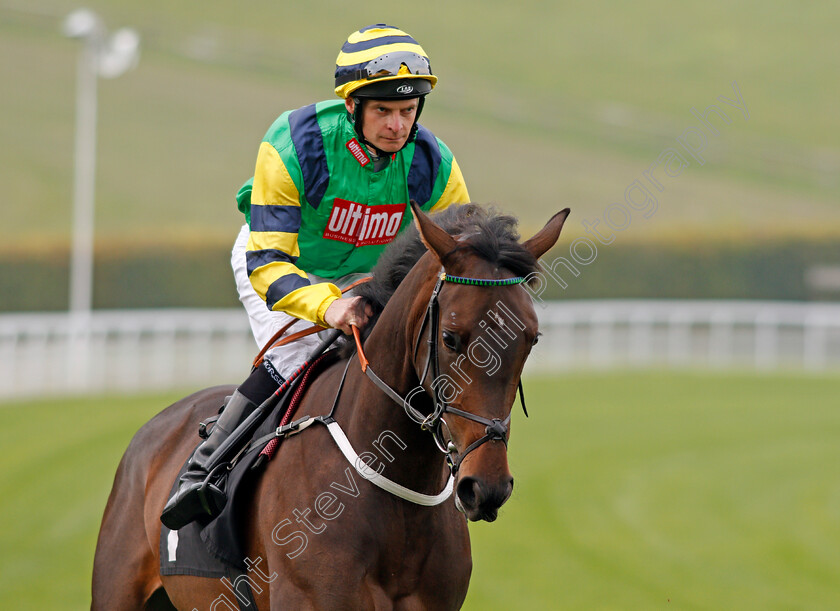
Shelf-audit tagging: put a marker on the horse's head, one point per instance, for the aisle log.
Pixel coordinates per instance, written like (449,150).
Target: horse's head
(471,347)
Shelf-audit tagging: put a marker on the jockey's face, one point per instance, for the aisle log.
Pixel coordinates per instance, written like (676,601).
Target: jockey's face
(386,124)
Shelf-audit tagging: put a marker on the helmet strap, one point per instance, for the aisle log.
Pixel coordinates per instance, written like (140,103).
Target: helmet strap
(413,133)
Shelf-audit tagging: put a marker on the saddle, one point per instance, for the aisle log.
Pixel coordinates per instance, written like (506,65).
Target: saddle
(215,548)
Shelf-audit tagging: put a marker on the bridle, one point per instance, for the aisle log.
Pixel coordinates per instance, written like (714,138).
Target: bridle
(495,429)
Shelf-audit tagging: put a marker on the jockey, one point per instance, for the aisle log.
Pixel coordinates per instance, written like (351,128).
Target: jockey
(330,190)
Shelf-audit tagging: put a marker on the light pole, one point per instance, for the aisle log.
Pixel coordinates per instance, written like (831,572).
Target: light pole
(107,57)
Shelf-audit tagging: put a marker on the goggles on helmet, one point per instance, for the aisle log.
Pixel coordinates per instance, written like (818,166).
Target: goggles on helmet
(386,65)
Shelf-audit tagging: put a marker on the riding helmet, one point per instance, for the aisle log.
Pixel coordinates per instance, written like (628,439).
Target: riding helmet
(382,62)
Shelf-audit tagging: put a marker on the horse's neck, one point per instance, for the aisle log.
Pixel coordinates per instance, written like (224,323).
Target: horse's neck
(378,424)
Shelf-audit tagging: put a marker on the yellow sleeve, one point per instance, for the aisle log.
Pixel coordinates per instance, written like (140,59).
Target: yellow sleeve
(455,191)
(272,249)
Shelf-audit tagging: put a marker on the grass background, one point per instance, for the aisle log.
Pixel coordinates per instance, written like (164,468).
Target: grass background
(633,491)
(545,104)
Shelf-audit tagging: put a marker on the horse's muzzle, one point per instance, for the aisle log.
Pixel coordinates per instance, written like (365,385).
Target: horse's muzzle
(480,501)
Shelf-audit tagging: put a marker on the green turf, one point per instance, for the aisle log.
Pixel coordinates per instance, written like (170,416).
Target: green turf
(633,491)
(647,491)
(58,460)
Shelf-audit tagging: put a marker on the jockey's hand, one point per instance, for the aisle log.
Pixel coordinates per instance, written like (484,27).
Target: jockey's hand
(347,311)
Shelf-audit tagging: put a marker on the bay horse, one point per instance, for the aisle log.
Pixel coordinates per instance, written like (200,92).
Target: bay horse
(430,413)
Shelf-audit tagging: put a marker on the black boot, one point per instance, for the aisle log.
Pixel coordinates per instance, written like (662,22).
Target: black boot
(197,496)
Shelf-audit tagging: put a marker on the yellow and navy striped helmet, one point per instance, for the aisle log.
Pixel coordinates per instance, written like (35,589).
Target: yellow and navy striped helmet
(384,60)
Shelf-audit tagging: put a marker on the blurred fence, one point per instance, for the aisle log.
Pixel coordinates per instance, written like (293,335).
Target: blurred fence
(138,350)
(123,351)
(761,335)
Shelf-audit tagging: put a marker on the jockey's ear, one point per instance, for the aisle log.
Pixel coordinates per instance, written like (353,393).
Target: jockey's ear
(546,237)
(434,237)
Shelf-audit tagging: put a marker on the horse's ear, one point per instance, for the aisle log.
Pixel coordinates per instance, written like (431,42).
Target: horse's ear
(547,236)
(433,236)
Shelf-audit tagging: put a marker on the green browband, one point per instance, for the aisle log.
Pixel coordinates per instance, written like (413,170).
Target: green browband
(481,281)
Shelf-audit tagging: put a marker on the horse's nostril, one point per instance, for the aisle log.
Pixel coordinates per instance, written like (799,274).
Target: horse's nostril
(508,488)
(469,491)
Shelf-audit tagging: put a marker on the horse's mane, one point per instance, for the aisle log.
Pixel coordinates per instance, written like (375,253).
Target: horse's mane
(487,233)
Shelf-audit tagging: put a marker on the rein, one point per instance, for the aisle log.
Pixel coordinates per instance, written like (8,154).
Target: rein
(278,340)
(495,429)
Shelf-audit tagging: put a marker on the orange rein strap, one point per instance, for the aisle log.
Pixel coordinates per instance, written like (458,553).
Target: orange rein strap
(276,338)
(362,358)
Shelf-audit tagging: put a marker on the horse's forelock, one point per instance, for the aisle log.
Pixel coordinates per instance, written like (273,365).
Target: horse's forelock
(490,235)
(497,241)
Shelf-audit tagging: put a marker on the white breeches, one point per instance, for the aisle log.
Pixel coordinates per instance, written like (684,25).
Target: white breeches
(265,323)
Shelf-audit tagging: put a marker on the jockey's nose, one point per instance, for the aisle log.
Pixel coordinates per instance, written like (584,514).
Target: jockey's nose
(395,122)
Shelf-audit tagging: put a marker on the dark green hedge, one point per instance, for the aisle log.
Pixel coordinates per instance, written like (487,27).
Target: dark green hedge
(163,277)
(767,270)
(201,277)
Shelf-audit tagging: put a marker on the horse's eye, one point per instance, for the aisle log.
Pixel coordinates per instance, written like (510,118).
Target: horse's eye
(536,339)
(451,340)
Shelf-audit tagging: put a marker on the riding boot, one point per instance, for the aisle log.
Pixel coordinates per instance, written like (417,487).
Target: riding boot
(197,495)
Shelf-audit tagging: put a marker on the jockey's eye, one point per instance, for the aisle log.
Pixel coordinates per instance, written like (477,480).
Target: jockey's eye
(451,340)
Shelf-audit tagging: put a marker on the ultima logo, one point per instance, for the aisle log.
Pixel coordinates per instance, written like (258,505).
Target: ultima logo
(356,149)
(363,225)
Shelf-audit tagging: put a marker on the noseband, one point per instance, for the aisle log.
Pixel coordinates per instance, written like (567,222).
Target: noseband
(495,429)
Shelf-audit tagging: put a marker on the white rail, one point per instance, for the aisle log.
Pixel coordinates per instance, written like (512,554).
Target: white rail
(140,350)
(123,351)
(761,335)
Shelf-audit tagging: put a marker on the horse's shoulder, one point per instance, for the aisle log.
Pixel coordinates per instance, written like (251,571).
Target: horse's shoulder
(318,396)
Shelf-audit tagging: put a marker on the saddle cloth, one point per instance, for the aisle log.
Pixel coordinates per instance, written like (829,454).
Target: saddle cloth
(215,548)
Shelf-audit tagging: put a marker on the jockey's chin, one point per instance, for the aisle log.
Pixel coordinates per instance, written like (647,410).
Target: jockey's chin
(389,143)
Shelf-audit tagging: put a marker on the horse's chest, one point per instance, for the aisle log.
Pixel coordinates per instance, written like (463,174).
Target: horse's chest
(377,559)
(424,567)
